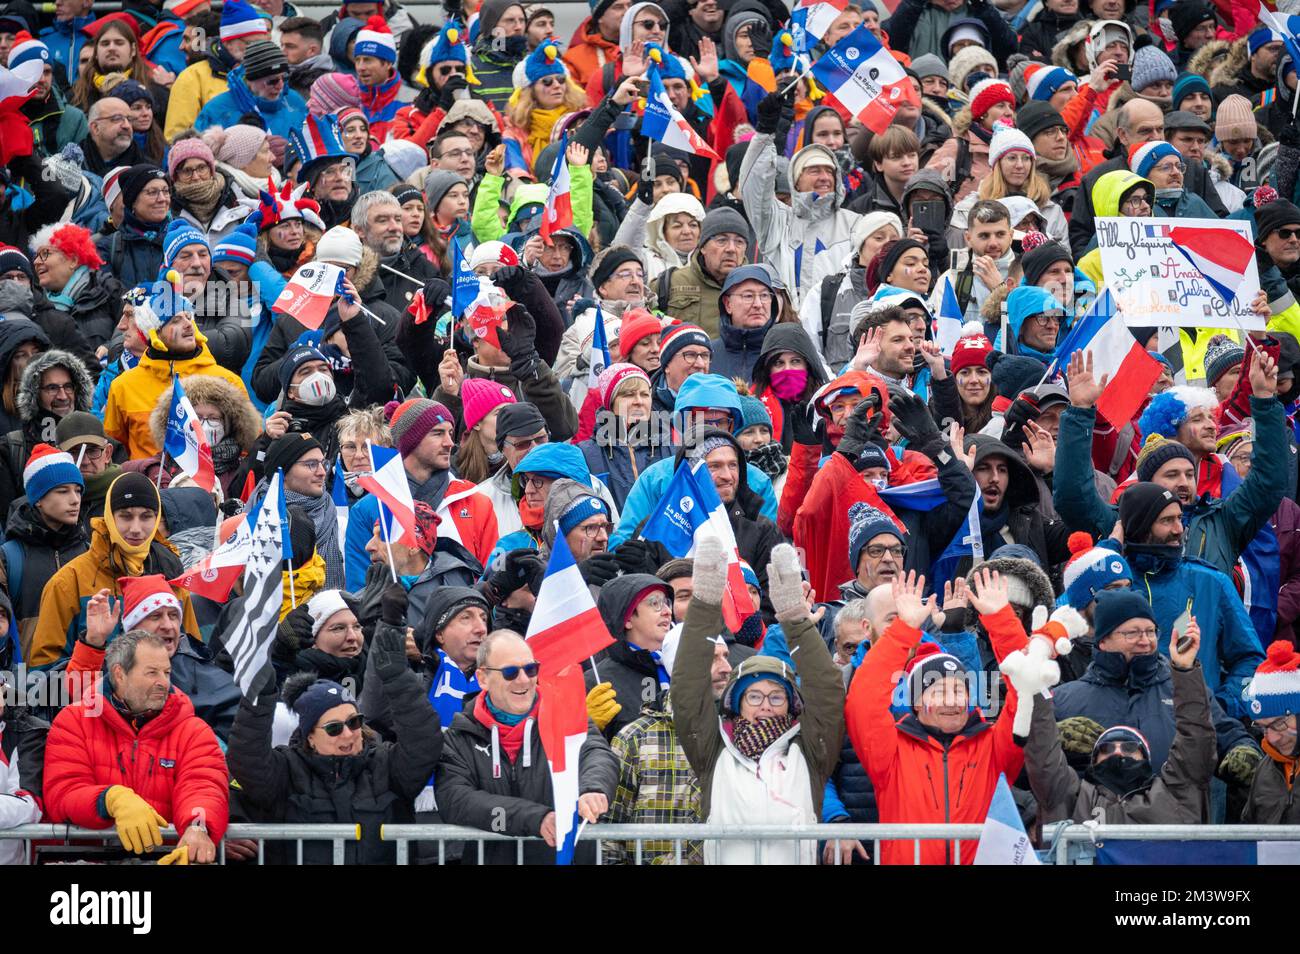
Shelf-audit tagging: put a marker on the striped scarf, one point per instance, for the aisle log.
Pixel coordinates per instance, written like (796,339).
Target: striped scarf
(325,520)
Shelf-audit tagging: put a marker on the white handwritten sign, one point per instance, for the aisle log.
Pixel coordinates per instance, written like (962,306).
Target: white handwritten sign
(1154,283)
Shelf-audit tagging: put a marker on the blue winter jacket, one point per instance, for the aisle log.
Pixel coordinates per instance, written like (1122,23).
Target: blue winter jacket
(65,40)
(736,350)
(280,116)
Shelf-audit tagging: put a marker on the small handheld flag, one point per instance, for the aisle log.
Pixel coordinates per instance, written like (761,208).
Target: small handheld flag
(558,213)
(1004,841)
(866,79)
(387,481)
(599,356)
(185,442)
(663,122)
(310,294)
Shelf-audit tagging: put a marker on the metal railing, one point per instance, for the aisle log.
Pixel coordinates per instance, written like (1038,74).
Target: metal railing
(336,835)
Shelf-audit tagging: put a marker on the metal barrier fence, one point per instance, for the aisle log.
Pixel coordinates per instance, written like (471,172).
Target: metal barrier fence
(337,835)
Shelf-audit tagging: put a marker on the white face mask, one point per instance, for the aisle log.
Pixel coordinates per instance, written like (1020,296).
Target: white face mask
(317,389)
(880,483)
(214,431)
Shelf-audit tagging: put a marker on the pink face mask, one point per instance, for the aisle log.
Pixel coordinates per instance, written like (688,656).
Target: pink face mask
(788,383)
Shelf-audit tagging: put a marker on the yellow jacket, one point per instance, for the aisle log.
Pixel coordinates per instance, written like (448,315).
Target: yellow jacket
(63,602)
(190,93)
(133,395)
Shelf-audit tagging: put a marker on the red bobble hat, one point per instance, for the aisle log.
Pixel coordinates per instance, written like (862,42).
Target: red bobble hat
(988,92)
(972,348)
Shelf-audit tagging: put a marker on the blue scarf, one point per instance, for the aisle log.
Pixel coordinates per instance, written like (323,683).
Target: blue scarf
(664,675)
(76,280)
(247,102)
(450,686)
(505,718)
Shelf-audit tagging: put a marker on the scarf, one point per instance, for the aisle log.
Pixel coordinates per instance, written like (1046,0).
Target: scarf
(1057,172)
(246,102)
(337,211)
(510,728)
(247,185)
(432,490)
(308,580)
(132,557)
(753,737)
(769,458)
(448,690)
(202,197)
(326,522)
(133,226)
(540,124)
(665,678)
(68,296)
(225,455)
(530,516)
(379,103)
(284,261)
(991,525)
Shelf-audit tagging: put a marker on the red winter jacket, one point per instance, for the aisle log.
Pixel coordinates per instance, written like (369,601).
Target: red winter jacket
(174,763)
(917,780)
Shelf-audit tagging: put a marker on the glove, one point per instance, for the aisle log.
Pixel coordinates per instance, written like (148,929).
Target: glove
(801,424)
(515,569)
(857,430)
(436,292)
(137,822)
(508,278)
(760,36)
(388,649)
(1078,735)
(394,603)
(599,569)
(769,113)
(1021,412)
(710,572)
(636,556)
(520,343)
(913,420)
(785,584)
(454,84)
(1239,765)
(180,855)
(231,507)
(601,705)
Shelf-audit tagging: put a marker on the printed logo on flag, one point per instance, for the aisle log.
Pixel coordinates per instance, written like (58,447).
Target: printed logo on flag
(687,504)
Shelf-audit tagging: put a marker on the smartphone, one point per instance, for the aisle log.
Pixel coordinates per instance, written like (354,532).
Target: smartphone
(928,216)
(1184,643)
(1124,73)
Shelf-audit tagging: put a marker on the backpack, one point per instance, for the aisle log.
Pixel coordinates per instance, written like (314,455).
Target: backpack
(663,285)
(961,171)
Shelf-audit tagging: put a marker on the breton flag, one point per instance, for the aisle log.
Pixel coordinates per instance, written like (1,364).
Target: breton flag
(185,442)
(948,318)
(387,481)
(598,360)
(257,613)
(339,493)
(1115,352)
(689,508)
(310,293)
(565,629)
(810,20)
(1221,255)
(866,79)
(215,575)
(1004,841)
(662,121)
(558,213)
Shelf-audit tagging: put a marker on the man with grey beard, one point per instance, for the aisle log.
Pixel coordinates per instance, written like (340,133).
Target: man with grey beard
(377,219)
(111,142)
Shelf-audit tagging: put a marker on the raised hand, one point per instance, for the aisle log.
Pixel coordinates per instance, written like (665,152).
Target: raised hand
(577,154)
(495,162)
(1041,448)
(706,67)
(909,601)
(628,90)
(955,594)
(990,592)
(957,441)
(868,349)
(932,355)
(1263,374)
(102,614)
(450,373)
(1186,658)
(634,61)
(1084,389)
(349,302)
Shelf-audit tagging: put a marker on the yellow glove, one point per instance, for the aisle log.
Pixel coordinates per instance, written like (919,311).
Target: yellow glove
(137,822)
(601,705)
(180,855)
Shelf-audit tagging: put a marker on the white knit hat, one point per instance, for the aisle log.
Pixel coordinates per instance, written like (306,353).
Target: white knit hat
(339,245)
(1008,139)
(322,606)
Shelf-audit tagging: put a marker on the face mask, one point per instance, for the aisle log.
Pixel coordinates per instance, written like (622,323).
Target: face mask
(788,383)
(1152,557)
(1168,195)
(317,389)
(1120,773)
(214,431)
(880,483)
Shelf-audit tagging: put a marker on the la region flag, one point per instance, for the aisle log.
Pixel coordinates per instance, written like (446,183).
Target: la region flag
(811,19)
(185,442)
(215,575)
(387,481)
(1115,352)
(1221,255)
(866,79)
(558,213)
(310,293)
(662,121)
(1004,841)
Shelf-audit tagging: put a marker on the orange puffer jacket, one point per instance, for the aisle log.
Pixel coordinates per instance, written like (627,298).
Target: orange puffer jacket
(173,762)
(916,779)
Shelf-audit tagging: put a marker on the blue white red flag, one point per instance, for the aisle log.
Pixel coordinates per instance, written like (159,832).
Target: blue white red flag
(558,213)
(310,294)
(864,76)
(1221,255)
(598,359)
(215,575)
(185,442)
(810,20)
(339,493)
(663,122)
(948,318)
(1004,841)
(387,481)
(1114,352)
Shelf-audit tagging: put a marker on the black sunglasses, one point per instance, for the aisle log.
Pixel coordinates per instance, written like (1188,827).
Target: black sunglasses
(511,673)
(334,729)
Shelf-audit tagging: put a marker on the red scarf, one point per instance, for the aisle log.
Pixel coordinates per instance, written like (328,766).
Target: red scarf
(511,736)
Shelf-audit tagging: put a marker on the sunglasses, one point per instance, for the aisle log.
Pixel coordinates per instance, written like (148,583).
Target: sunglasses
(1288,233)
(511,673)
(352,723)
(652,24)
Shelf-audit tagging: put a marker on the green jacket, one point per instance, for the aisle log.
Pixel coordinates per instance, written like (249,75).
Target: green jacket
(67,123)
(486,221)
(692,296)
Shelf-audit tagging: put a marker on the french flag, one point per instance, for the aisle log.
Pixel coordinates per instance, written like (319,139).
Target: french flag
(948,319)
(1115,352)
(811,19)
(185,443)
(558,213)
(15,89)
(1221,255)
(866,79)
(598,360)
(663,122)
(339,493)
(689,509)
(1288,28)
(215,575)
(565,629)
(387,481)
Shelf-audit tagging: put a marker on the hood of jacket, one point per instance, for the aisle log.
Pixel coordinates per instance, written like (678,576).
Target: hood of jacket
(27,396)
(563,493)
(558,459)
(931,181)
(243,423)
(809,205)
(184,508)
(15,332)
(441,599)
(671,204)
(789,336)
(1109,189)
(1072,38)
(707,390)
(343,33)
(1035,588)
(746,11)
(1022,489)
(617,595)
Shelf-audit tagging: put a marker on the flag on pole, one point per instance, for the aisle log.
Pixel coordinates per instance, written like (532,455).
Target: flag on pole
(598,360)
(339,493)
(486,311)
(948,318)
(387,481)
(310,294)
(1115,352)
(565,629)
(215,575)
(185,442)
(558,213)
(663,122)
(810,20)
(866,79)
(1004,841)
(419,308)
(257,611)
(1288,28)
(922,495)
(464,283)
(968,542)
(1221,255)
(689,509)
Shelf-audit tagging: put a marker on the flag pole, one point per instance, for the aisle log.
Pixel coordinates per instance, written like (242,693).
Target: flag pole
(389,268)
(366,311)
(293,599)
(162,462)
(383,527)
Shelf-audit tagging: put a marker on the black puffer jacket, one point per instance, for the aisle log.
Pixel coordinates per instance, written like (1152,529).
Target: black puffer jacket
(15,332)
(291,784)
(518,796)
(399,291)
(133,253)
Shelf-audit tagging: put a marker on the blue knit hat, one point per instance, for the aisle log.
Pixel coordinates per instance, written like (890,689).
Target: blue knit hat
(1274,690)
(865,524)
(753,412)
(317,699)
(27,48)
(239,21)
(1028,300)
(1186,84)
(239,246)
(295,359)
(375,39)
(1257,38)
(181,233)
(582,508)
(47,468)
(1090,570)
(544,61)
(1116,607)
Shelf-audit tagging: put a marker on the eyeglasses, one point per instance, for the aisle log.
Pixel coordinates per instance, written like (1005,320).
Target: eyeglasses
(1120,748)
(340,628)
(511,673)
(1138,202)
(276,80)
(748,298)
(592,531)
(49,390)
(652,24)
(530,480)
(161,192)
(458,154)
(352,724)
(656,601)
(198,172)
(45,253)
(627,274)
(1170,166)
(728,240)
(1133,635)
(878,550)
(523,443)
(1287,234)
(695,357)
(311,465)
(116,118)
(1049,318)
(91,452)
(1277,726)
(776,698)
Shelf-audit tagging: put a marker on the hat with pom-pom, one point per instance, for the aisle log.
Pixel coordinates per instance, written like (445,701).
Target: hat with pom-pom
(498,252)
(865,524)
(1042,81)
(1090,570)
(1142,157)
(27,48)
(637,325)
(1061,628)
(1222,354)
(331,92)
(47,468)
(239,21)
(930,665)
(1157,451)
(613,377)
(238,247)
(236,145)
(157,304)
(987,93)
(375,39)
(971,348)
(544,61)
(1274,690)
(142,596)
(1168,409)
(1008,139)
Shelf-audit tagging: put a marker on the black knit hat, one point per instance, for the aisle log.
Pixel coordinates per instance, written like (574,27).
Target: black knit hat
(135,180)
(1139,507)
(518,420)
(1277,214)
(890,258)
(616,256)
(132,489)
(1038,260)
(1186,15)
(285,451)
(1035,116)
(1013,373)
(1115,608)
(262,59)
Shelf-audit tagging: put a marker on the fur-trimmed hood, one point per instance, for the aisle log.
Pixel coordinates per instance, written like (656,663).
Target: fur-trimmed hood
(1035,584)
(26,398)
(1204,61)
(1074,36)
(1226,71)
(961,121)
(243,423)
(934,111)
(367,270)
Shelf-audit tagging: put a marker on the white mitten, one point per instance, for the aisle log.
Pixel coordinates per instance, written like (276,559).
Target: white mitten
(1030,672)
(710,573)
(785,584)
